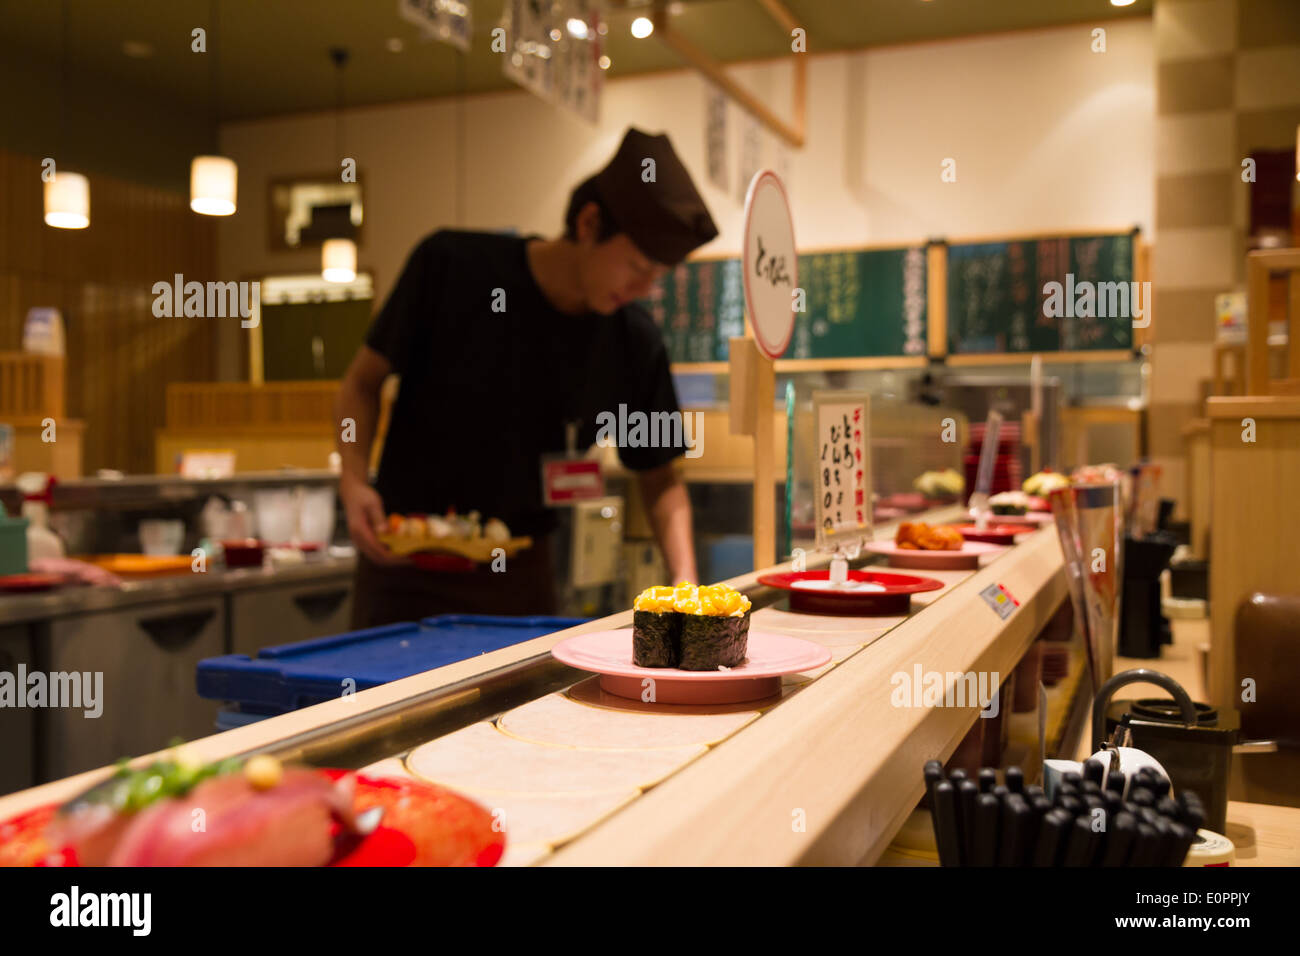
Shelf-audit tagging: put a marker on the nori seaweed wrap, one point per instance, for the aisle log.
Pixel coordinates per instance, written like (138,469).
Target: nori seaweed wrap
(656,628)
(715,633)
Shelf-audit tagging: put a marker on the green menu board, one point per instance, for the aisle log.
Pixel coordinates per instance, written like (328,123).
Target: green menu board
(1043,295)
(868,302)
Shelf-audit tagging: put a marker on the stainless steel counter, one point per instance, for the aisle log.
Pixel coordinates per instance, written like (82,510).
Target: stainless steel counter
(15,609)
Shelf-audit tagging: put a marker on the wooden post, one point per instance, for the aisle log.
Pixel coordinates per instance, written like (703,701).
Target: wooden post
(753,396)
(936,306)
(1256,377)
(1142,273)
(1293,329)
(1029,438)
(764,465)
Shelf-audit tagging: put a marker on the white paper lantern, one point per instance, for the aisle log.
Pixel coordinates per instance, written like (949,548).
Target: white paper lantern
(212,185)
(67,201)
(338,260)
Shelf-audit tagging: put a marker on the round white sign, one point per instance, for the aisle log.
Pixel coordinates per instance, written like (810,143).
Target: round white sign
(771,269)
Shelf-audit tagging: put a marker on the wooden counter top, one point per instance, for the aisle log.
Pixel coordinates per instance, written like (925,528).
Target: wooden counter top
(837,759)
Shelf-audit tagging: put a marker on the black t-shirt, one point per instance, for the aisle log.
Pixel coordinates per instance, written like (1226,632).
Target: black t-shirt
(484,394)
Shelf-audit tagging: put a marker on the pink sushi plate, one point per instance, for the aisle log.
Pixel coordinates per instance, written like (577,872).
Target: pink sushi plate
(768,658)
(967,559)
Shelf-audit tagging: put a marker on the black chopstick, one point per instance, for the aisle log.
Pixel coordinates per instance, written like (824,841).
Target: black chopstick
(943,808)
(986,830)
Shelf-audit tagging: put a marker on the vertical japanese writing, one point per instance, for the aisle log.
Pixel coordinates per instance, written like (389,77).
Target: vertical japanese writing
(841,484)
(914,293)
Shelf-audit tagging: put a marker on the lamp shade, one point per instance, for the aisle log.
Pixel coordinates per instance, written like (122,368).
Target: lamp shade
(338,260)
(67,201)
(212,185)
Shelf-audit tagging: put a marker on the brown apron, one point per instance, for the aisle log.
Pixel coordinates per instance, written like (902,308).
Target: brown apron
(391,595)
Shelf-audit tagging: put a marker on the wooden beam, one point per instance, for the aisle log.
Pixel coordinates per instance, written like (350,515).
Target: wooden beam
(1259,267)
(1256,377)
(1049,358)
(792,133)
(1293,328)
(809,365)
(936,308)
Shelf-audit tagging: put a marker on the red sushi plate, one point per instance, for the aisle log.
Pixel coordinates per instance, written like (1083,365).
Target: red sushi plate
(993,534)
(434,561)
(31,582)
(867,593)
(423,825)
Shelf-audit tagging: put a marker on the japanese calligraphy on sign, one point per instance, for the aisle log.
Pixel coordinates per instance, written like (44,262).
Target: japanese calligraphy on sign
(842,487)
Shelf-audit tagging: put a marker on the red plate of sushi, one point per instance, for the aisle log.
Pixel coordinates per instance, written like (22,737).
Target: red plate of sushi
(993,534)
(865,592)
(20,583)
(768,657)
(300,822)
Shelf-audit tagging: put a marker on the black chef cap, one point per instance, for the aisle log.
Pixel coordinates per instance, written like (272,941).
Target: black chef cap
(665,217)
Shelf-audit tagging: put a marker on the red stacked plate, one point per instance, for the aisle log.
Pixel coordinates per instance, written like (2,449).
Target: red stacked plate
(865,593)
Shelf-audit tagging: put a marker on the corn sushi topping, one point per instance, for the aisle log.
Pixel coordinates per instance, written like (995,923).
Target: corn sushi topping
(719,600)
(715,600)
(657,599)
(686,598)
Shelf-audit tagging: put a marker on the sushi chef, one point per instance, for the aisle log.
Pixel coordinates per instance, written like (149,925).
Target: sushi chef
(504,345)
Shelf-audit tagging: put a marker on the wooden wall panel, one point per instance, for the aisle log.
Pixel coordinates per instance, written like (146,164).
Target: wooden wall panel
(120,357)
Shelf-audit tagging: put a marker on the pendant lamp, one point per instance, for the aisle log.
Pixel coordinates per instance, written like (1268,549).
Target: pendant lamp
(338,257)
(67,194)
(213,179)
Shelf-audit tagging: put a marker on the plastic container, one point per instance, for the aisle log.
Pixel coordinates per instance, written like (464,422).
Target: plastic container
(243,553)
(162,537)
(277,516)
(37,489)
(13,544)
(316,511)
(289,676)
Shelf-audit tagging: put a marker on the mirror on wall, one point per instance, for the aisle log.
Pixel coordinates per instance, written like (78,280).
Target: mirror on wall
(307,210)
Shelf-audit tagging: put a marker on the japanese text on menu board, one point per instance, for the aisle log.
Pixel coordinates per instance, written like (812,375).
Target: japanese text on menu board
(843,480)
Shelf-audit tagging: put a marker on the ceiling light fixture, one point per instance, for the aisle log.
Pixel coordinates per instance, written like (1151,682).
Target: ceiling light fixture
(1121,3)
(67,194)
(67,201)
(577,28)
(338,256)
(338,260)
(642,27)
(213,179)
(604,62)
(213,185)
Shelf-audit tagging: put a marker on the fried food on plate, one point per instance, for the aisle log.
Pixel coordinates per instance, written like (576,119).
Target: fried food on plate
(919,536)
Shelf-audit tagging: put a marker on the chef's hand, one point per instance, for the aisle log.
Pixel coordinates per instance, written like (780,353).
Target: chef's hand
(365,512)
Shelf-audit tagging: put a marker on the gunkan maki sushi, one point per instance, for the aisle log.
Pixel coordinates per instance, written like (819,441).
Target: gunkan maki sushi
(657,624)
(715,629)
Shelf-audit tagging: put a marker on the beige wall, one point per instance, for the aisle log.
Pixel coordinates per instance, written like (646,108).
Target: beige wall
(1047,136)
(1228,82)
